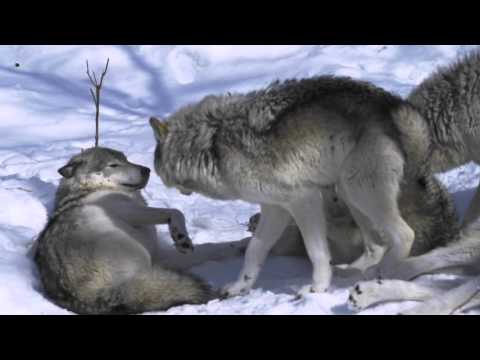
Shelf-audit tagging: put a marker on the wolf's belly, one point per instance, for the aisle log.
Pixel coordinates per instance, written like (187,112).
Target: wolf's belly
(110,232)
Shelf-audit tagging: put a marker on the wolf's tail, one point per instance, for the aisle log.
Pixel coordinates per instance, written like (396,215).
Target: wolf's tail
(153,290)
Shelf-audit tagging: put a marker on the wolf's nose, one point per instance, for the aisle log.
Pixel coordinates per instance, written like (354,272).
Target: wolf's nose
(145,171)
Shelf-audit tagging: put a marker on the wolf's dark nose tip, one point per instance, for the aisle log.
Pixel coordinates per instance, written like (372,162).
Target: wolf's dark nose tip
(145,171)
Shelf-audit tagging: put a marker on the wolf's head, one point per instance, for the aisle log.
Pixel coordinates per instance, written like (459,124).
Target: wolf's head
(186,157)
(160,131)
(103,168)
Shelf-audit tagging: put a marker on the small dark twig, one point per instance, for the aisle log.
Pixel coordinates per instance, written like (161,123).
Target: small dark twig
(96,95)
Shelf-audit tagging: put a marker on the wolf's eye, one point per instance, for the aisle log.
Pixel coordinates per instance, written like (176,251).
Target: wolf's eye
(113,165)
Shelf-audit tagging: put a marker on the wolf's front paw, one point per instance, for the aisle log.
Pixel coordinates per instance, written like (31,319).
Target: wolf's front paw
(310,289)
(235,289)
(184,245)
(181,240)
(362,295)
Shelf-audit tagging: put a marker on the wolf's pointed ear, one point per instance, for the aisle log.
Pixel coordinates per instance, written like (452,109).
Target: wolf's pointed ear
(68,170)
(160,129)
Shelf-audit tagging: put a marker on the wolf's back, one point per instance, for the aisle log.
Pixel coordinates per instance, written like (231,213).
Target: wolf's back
(267,106)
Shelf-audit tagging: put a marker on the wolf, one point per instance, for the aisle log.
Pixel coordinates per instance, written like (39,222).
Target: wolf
(440,122)
(99,253)
(445,110)
(280,146)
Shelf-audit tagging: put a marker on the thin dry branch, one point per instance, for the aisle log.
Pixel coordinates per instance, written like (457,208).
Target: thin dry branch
(96,95)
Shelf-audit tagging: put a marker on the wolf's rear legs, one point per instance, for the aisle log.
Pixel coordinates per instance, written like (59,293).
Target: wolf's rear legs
(273,221)
(370,183)
(368,293)
(309,215)
(435,300)
(464,253)
(373,248)
(450,301)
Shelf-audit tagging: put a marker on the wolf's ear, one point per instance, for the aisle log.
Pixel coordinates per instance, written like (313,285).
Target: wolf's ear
(68,170)
(160,129)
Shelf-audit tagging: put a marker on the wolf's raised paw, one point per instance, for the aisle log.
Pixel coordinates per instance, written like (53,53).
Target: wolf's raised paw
(184,244)
(181,240)
(362,295)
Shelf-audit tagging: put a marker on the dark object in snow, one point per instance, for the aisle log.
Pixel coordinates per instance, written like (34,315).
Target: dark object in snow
(96,95)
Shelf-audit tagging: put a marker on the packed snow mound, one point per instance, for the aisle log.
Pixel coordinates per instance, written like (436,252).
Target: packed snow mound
(47,115)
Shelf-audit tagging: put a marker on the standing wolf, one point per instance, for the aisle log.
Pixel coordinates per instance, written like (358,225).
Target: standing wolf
(99,254)
(280,146)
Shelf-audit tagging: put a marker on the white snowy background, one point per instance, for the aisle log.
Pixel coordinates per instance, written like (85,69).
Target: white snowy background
(47,115)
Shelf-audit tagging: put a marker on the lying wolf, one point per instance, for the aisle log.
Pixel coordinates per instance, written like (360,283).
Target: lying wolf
(99,253)
(281,146)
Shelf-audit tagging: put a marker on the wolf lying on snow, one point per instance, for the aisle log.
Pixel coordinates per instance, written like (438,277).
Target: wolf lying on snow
(99,254)
(281,146)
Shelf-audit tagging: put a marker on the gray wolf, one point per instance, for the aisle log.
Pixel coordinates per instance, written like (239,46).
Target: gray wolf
(280,146)
(445,109)
(99,254)
(440,122)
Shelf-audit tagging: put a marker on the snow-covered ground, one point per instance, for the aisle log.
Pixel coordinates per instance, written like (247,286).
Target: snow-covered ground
(47,115)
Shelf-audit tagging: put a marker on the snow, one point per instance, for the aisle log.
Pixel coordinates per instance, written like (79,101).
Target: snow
(46,116)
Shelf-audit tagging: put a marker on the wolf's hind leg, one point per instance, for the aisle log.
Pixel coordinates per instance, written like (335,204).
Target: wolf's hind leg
(309,215)
(448,302)
(368,293)
(370,181)
(463,254)
(273,221)
(373,249)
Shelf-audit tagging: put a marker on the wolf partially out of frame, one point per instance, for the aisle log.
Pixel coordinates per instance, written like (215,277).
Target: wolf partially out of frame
(447,105)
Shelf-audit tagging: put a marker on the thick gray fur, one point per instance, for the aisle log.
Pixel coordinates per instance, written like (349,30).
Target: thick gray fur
(280,147)
(99,253)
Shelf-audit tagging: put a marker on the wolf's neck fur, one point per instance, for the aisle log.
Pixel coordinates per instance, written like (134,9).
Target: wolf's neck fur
(70,192)
(449,100)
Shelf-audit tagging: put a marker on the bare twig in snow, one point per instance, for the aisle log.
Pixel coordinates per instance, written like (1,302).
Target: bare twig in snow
(97,86)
